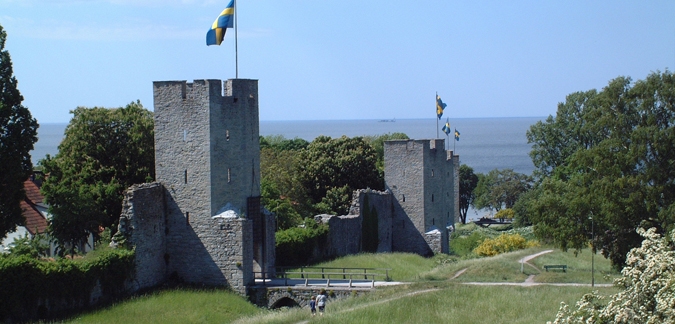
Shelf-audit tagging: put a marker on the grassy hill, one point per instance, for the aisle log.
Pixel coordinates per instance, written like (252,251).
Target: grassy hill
(430,294)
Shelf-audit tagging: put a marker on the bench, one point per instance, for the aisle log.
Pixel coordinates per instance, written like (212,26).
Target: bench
(563,267)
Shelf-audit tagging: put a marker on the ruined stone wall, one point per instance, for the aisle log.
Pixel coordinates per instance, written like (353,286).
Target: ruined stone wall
(344,236)
(142,224)
(380,204)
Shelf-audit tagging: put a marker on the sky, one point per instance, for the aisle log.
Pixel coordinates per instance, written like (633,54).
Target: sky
(329,59)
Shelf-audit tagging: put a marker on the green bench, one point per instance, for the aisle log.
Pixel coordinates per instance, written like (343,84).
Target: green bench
(563,267)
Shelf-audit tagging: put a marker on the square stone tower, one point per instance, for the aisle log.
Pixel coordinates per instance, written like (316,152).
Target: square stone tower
(424,180)
(207,157)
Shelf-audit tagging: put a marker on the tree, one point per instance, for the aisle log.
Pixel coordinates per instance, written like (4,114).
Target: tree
(103,153)
(467,184)
(377,142)
(500,189)
(330,165)
(281,190)
(622,175)
(18,133)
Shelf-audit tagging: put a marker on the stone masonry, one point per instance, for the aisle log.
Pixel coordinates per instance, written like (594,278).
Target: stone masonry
(202,222)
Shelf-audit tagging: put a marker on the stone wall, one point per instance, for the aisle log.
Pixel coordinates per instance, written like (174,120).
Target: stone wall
(298,296)
(142,223)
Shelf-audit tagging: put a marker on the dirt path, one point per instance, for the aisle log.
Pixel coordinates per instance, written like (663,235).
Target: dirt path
(378,302)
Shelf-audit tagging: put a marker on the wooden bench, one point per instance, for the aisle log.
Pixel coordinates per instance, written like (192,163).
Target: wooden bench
(563,267)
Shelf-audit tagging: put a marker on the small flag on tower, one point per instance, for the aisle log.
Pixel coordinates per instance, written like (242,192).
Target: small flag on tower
(439,107)
(225,20)
(456,135)
(446,127)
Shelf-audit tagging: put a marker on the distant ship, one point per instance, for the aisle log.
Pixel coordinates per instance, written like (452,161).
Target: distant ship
(393,120)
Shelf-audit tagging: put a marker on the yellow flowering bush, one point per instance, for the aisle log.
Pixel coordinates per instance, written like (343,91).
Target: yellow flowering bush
(502,244)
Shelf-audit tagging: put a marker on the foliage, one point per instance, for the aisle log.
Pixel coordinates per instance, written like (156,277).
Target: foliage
(467,184)
(34,247)
(502,244)
(335,163)
(524,207)
(506,213)
(500,189)
(607,154)
(295,246)
(18,133)
(103,153)
(648,282)
(282,193)
(464,245)
(336,201)
(26,281)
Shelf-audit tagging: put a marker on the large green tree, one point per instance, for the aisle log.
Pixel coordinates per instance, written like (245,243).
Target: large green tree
(103,153)
(332,168)
(18,133)
(500,189)
(622,177)
(467,184)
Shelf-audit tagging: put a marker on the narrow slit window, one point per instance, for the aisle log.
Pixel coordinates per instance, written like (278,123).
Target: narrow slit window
(185,176)
(432,197)
(403,198)
(227,135)
(229,175)
(432,172)
(187,218)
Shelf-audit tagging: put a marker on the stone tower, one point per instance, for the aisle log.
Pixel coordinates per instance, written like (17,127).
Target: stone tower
(207,157)
(423,179)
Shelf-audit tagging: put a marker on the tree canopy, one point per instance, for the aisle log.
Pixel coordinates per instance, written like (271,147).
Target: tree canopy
(333,168)
(500,189)
(103,153)
(18,133)
(467,184)
(609,155)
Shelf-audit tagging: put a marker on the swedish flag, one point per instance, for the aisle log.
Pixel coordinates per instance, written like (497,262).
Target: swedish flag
(446,127)
(224,21)
(456,135)
(439,107)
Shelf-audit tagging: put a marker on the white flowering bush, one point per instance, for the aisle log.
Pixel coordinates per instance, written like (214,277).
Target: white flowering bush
(648,281)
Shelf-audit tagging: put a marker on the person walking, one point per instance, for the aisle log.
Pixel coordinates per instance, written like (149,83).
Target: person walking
(321,301)
(312,305)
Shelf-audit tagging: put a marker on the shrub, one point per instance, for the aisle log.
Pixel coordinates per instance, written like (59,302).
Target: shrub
(506,213)
(295,246)
(463,245)
(648,282)
(63,283)
(502,244)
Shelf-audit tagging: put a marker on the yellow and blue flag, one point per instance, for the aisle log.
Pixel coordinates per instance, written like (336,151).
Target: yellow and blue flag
(225,20)
(456,135)
(446,127)
(439,106)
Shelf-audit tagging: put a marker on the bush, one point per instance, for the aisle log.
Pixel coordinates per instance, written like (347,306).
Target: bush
(648,294)
(64,283)
(502,244)
(295,246)
(463,245)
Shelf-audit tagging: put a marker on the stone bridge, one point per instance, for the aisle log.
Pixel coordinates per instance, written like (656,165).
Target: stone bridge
(277,293)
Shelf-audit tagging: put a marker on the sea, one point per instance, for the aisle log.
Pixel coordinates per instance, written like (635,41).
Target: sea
(484,143)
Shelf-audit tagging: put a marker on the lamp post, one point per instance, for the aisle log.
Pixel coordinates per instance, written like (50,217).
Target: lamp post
(592,251)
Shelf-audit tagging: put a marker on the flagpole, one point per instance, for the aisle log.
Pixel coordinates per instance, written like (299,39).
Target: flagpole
(454,142)
(236,45)
(437,118)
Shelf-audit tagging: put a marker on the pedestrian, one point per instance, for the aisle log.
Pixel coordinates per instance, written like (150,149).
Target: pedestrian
(312,305)
(321,301)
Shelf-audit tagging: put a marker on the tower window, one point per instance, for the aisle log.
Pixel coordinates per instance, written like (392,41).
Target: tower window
(227,135)
(185,176)
(432,172)
(432,198)
(229,175)
(403,198)
(187,218)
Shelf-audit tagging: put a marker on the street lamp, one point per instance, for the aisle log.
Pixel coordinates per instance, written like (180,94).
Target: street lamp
(592,251)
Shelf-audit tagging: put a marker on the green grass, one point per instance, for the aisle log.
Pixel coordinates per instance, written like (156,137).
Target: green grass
(405,266)
(429,296)
(440,302)
(578,267)
(174,306)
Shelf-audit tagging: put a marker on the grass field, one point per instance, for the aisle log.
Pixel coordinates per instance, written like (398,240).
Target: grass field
(428,297)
